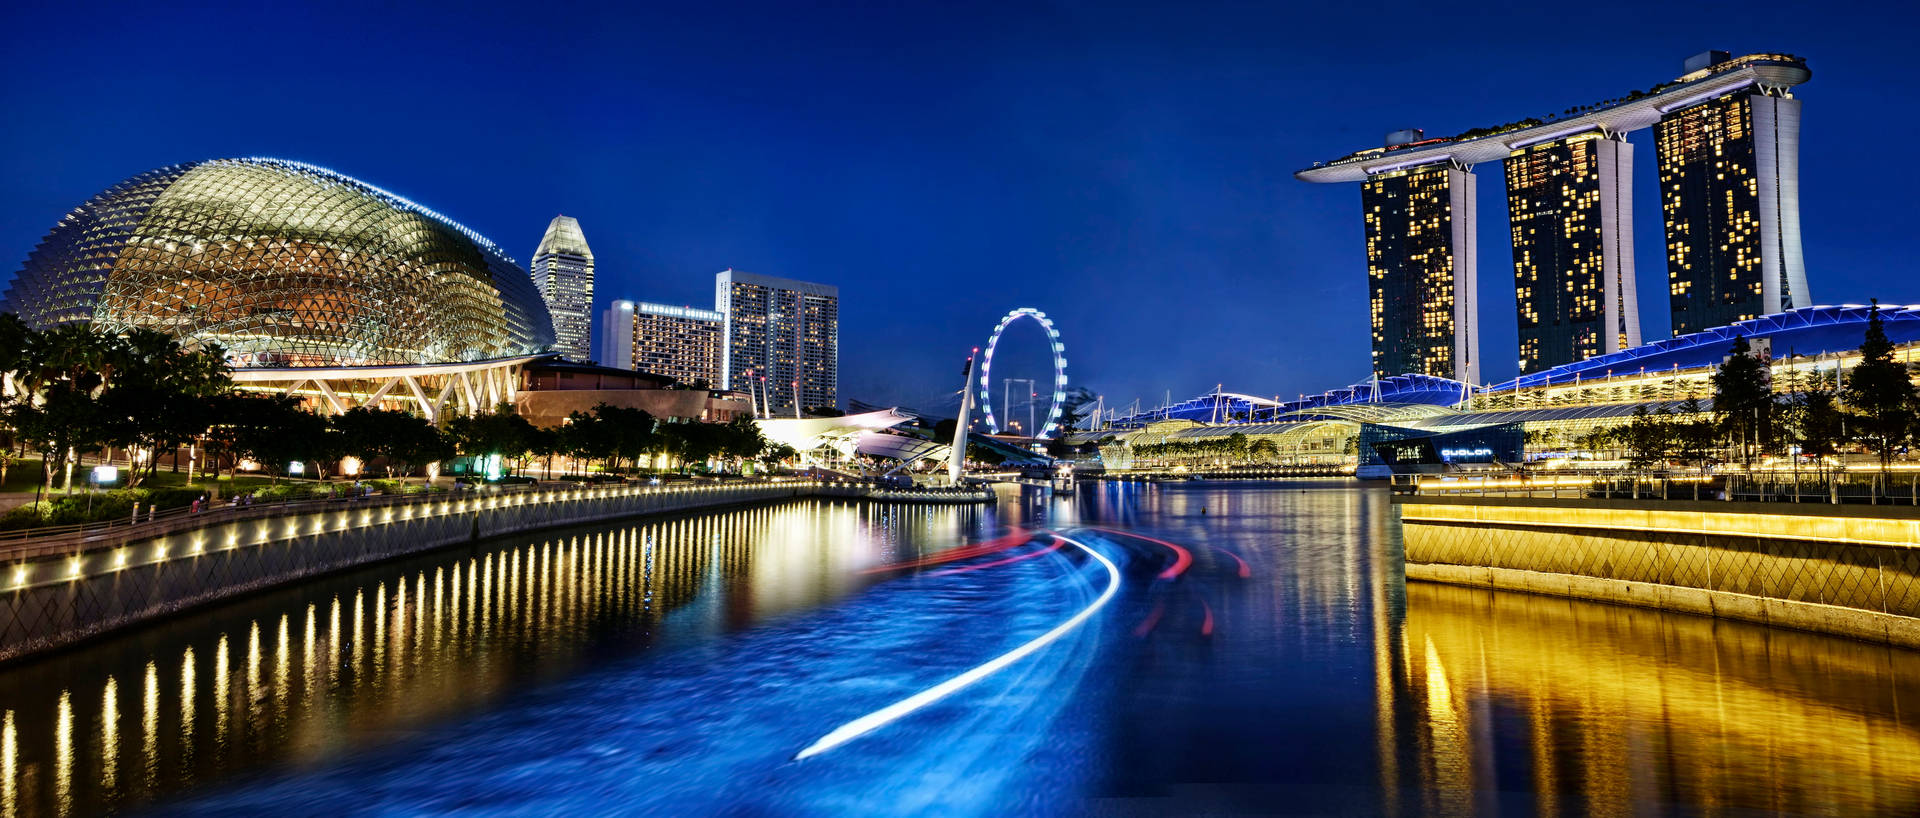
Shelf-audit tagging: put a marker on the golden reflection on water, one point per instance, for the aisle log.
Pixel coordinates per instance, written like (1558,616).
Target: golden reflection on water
(1613,710)
(9,768)
(337,663)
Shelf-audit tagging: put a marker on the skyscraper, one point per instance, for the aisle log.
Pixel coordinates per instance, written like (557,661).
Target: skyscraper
(616,335)
(1421,254)
(563,272)
(1730,193)
(682,343)
(785,331)
(1727,133)
(1570,207)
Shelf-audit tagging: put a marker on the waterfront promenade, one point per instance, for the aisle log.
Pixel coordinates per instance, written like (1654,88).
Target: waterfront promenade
(66,585)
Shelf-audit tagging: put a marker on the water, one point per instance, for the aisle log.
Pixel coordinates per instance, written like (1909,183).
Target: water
(678,666)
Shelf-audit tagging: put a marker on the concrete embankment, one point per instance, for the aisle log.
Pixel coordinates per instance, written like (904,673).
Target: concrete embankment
(75,585)
(1848,570)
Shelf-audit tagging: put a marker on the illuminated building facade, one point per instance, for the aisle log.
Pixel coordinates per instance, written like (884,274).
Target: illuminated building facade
(616,335)
(563,272)
(1730,193)
(1421,255)
(681,343)
(1727,133)
(783,331)
(286,266)
(1569,202)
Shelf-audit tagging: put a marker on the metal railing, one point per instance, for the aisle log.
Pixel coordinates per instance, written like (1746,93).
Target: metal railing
(1833,487)
(64,540)
(78,537)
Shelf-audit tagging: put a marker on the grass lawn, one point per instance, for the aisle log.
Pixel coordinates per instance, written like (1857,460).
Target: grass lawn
(23,477)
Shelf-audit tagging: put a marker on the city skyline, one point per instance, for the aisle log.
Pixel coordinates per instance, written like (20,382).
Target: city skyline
(1187,174)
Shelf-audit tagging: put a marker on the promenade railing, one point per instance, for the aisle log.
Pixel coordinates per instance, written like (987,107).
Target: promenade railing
(43,541)
(1856,486)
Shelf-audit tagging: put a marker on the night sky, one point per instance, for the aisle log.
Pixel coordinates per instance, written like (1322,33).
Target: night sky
(1127,169)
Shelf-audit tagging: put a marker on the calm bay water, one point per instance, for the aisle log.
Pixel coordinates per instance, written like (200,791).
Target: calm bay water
(678,666)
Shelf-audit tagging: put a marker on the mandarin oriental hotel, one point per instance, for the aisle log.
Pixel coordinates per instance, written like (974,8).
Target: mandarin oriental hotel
(316,285)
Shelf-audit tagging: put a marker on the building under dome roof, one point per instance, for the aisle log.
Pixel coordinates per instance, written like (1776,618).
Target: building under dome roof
(285,265)
(1806,332)
(1233,407)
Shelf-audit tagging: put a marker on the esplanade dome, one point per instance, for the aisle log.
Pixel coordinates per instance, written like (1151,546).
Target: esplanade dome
(285,265)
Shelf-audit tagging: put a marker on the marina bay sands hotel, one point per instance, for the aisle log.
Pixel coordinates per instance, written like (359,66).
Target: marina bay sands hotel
(1727,139)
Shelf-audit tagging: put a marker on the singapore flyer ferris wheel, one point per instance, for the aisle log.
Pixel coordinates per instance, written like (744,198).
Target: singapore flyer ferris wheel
(1054,406)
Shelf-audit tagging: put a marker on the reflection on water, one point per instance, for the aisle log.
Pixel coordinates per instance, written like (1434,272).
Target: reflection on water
(1583,708)
(343,663)
(1288,669)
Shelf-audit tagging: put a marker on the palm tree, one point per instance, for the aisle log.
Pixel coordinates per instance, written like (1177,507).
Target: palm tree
(65,370)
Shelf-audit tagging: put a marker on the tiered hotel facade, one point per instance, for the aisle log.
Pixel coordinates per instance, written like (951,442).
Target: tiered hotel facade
(682,343)
(1421,256)
(1727,138)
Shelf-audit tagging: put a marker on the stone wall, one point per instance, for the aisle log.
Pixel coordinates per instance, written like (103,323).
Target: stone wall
(1847,570)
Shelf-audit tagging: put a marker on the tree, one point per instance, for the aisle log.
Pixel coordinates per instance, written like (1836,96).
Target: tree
(502,432)
(1237,445)
(1693,436)
(1742,397)
(775,454)
(273,431)
(741,439)
(585,437)
(160,397)
(691,442)
(1880,392)
(14,338)
(1649,438)
(62,372)
(630,432)
(404,440)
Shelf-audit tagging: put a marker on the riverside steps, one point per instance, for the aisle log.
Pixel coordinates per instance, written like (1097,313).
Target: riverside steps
(1847,570)
(62,586)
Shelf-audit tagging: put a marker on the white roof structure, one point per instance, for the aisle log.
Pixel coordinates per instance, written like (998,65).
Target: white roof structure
(863,433)
(900,447)
(1774,71)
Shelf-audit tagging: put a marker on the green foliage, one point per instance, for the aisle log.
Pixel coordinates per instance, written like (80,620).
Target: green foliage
(101,506)
(615,435)
(501,432)
(1880,392)
(273,431)
(1743,398)
(403,439)
(1694,438)
(83,389)
(1235,446)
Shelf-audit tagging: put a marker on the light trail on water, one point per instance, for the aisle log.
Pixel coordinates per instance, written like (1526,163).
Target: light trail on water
(904,707)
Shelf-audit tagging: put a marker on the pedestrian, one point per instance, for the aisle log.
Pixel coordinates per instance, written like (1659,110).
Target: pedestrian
(196,507)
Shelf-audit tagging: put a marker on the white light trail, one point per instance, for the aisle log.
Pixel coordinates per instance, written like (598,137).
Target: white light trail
(900,709)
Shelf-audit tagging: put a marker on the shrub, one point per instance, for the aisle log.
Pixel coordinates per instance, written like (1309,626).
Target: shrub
(30,515)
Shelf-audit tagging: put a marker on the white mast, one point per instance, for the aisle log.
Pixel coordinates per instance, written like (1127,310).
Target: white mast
(957,457)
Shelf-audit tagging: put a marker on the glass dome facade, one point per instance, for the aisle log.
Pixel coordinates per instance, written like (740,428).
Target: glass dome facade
(285,265)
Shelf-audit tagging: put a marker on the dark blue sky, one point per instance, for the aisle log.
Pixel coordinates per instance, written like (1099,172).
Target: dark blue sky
(1125,168)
